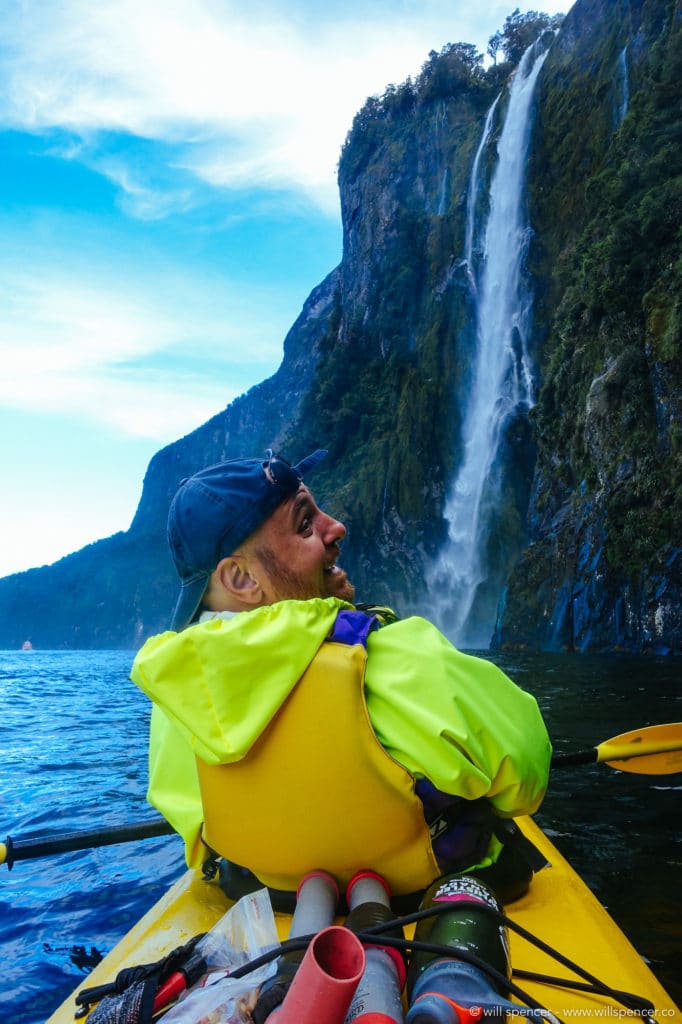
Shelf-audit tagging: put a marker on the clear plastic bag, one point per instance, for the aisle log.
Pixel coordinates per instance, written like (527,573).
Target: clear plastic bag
(246,931)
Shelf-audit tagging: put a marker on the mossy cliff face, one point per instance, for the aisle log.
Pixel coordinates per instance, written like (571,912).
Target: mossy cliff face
(388,389)
(604,566)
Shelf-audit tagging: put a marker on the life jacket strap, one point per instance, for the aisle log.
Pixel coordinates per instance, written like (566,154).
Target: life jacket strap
(509,833)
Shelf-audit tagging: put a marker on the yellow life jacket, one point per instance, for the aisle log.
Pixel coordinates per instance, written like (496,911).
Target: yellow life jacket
(318,791)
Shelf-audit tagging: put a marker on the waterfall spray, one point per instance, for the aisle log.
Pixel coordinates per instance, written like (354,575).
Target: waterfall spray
(463,584)
(624,86)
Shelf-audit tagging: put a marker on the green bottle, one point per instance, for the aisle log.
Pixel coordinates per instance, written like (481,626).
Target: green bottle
(436,981)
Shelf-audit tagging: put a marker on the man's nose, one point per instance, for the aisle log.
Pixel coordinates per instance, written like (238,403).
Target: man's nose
(334,531)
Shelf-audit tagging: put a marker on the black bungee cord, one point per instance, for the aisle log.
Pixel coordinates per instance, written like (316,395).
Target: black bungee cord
(630,1000)
(531,1009)
(591,983)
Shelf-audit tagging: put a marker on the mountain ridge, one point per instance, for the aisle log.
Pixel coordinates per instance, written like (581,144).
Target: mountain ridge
(375,367)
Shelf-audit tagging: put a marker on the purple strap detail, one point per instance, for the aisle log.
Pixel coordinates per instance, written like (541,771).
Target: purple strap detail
(353,627)
(460,829)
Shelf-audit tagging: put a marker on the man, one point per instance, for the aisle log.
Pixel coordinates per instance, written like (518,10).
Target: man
(294,731)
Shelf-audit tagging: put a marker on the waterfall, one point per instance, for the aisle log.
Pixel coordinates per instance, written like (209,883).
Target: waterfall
(472,196)
(463,581)
(624,86)
(443,193)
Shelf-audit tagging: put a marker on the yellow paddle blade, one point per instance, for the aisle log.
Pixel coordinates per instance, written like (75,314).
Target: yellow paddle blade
(653,750)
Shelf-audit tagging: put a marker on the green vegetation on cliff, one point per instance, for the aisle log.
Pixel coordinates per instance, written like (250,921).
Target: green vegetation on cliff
(608,204)
(604,566)
(392,378)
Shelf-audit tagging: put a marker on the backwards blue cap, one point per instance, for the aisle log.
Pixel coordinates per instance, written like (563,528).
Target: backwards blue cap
(214,512)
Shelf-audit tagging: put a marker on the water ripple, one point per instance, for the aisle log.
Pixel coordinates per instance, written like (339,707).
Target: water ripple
(73,732)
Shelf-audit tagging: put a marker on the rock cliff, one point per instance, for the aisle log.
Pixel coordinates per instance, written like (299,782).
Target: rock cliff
(376,368)
(604,565)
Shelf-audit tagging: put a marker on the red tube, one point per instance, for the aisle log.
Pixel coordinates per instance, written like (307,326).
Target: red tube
(374,1018)
(325,983)
(367,886)
(170,990)
(179,981)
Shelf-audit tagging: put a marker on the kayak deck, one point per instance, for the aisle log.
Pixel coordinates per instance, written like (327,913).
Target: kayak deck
(559,909)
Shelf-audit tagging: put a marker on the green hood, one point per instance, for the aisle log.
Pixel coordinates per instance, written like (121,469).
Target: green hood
(220,682)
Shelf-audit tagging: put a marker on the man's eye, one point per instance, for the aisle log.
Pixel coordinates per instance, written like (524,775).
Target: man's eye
(305,524)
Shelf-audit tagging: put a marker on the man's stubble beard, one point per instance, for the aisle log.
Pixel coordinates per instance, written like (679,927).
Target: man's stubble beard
(290,585)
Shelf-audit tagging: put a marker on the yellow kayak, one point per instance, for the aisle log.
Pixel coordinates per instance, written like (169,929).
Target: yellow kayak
(559,909)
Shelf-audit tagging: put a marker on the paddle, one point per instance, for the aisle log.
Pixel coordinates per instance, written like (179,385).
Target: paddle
(43,846)
(653,750)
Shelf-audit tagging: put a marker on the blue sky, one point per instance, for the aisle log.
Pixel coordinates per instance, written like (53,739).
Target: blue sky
(168,201)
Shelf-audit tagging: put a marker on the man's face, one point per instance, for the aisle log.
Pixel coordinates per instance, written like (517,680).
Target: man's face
(297,548)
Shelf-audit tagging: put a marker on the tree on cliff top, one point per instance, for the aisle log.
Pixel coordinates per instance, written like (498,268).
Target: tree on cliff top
(519,31)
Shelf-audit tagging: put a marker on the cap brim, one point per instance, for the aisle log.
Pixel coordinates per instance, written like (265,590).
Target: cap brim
(188,603)
(305,465)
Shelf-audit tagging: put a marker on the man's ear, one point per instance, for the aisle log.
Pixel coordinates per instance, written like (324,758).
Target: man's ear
(233,575)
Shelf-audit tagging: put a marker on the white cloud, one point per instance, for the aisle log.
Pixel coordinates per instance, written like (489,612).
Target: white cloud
(140,199)
(262,98)
(82,350)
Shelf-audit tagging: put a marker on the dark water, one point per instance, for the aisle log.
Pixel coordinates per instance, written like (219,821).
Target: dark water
(73,741)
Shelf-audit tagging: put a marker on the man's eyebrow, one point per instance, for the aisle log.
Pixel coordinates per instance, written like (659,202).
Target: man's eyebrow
(302,501)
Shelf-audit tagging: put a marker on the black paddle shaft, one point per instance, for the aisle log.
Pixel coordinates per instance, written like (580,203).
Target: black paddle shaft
(588,756)
(44,846)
